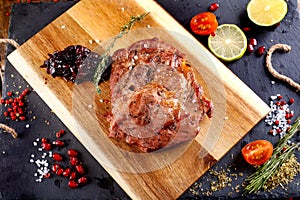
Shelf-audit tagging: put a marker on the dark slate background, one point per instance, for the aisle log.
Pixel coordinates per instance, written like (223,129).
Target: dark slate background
(17,180)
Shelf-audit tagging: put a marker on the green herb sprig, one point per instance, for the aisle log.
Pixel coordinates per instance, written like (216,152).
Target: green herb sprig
(281,154)
(105,57)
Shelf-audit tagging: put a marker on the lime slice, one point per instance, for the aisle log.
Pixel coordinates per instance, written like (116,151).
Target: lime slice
(229,42)
(266,12)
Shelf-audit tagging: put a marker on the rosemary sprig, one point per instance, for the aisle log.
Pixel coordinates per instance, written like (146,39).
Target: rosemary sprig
(281,154)
(105,57)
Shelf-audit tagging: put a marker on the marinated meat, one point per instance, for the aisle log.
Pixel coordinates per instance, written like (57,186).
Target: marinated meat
(156,100)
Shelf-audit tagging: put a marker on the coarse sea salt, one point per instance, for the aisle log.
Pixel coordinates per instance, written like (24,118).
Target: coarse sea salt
(41,162)
(279,118)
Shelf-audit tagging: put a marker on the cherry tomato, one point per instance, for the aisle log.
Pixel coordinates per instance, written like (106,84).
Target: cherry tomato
(204,23)
(257,152)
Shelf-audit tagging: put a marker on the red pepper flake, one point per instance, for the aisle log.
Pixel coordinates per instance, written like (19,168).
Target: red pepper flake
(7,13)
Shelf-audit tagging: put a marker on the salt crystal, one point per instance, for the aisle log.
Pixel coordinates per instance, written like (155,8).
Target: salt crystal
(34,144)
(63,27)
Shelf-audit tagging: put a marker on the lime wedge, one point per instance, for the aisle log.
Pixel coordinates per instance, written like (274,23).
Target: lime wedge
(229,42)
(266,12)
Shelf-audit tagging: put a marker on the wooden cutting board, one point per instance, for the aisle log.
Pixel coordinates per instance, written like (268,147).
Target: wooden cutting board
(159,175)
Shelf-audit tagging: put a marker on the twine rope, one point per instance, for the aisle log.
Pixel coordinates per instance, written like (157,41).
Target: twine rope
(3,126)
(9,130)
(9,41)
(286,48)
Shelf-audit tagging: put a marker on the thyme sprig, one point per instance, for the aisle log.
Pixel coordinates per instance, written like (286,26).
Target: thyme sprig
(282,152)
(105,57)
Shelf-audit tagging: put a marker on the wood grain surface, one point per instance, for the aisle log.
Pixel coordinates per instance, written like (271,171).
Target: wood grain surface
(84,23)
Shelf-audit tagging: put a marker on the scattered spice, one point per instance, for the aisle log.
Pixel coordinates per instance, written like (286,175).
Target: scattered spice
(284,175)
(220,180)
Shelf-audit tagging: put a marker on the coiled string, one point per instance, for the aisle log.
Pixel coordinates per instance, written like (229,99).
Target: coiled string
(285,48)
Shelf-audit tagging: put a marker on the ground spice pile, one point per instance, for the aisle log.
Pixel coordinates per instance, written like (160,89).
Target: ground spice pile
(220,179)
(284,175)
